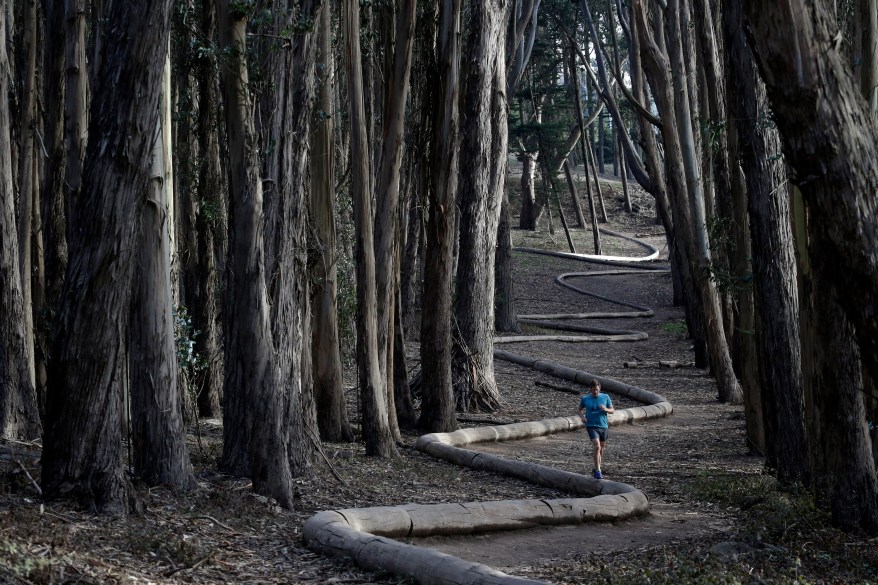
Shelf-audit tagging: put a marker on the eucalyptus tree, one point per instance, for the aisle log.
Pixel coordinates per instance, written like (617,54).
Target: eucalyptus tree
(520,39)
(52,194)
(254,422)
(665,61)
(780,412)
(332,419)
(829,139)
(387,188)
(19,418)
(481,186)
(284,125)
(376,426)
(210,222)
(437,401)
(82,446)
(160,455)
(28,179)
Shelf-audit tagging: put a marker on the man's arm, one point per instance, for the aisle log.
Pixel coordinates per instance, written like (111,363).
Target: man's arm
(609,409)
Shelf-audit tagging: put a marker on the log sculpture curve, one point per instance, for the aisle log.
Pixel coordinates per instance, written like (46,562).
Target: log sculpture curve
(365,535)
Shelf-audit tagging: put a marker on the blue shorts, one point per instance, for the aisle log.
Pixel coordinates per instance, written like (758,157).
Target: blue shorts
(597,433)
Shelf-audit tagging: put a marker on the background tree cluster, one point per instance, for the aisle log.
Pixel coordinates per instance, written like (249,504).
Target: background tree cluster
(209,205)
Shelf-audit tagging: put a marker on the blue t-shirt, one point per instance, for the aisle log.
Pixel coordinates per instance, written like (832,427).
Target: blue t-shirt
(594,416)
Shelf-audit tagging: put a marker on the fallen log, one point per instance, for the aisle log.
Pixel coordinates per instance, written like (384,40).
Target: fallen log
(660,364)
(567,338)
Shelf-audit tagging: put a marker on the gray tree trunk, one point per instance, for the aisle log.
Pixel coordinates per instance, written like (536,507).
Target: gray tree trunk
(774,263)
(209,223)
(332,418)
(720,357)
(82,446)
(437,399)
(375,424)
(54,242)
(825,124)
(19,418)
(254,433)
(157,433)
(387,199)
(27,177)
(287,127)
(482,182)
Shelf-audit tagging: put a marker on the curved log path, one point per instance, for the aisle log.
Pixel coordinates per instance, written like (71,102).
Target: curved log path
(365,535)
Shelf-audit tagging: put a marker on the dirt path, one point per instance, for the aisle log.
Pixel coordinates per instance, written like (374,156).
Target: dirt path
(663,458)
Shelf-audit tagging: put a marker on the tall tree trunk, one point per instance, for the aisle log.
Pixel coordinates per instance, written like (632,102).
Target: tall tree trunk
(437,402)
(19,418)
(332,418)
(715,156)
(375,424)
(482,182)
(26,176)
(387,198)
(698,291)
(254,437)
(53,214)
(574,196)
(774,268)
(825,125)
(657,186)
(157,432)
(518,54)
(720,358)
(577,97)
(210,221)
(82,452)
(53,185)
(505,317)
(286,129)
(76,106)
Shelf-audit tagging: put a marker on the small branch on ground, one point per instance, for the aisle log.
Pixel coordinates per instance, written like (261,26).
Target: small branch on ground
(29,477)
(215,521)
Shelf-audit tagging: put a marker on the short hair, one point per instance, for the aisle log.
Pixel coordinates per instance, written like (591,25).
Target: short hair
(594,384)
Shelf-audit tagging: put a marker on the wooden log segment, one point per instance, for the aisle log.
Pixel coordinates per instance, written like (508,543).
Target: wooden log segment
(580,328)
(595,315)
(568,338)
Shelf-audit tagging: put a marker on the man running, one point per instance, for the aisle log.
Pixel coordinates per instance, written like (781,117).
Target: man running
(593,410)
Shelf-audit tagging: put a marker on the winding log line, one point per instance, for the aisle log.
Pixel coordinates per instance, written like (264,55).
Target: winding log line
(365,535)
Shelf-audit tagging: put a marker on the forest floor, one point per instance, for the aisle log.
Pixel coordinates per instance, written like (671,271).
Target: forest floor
(717,516)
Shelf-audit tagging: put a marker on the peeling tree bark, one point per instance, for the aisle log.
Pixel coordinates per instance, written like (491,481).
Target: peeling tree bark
(376,430)
(19,418)
(82,453)
(437,406)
